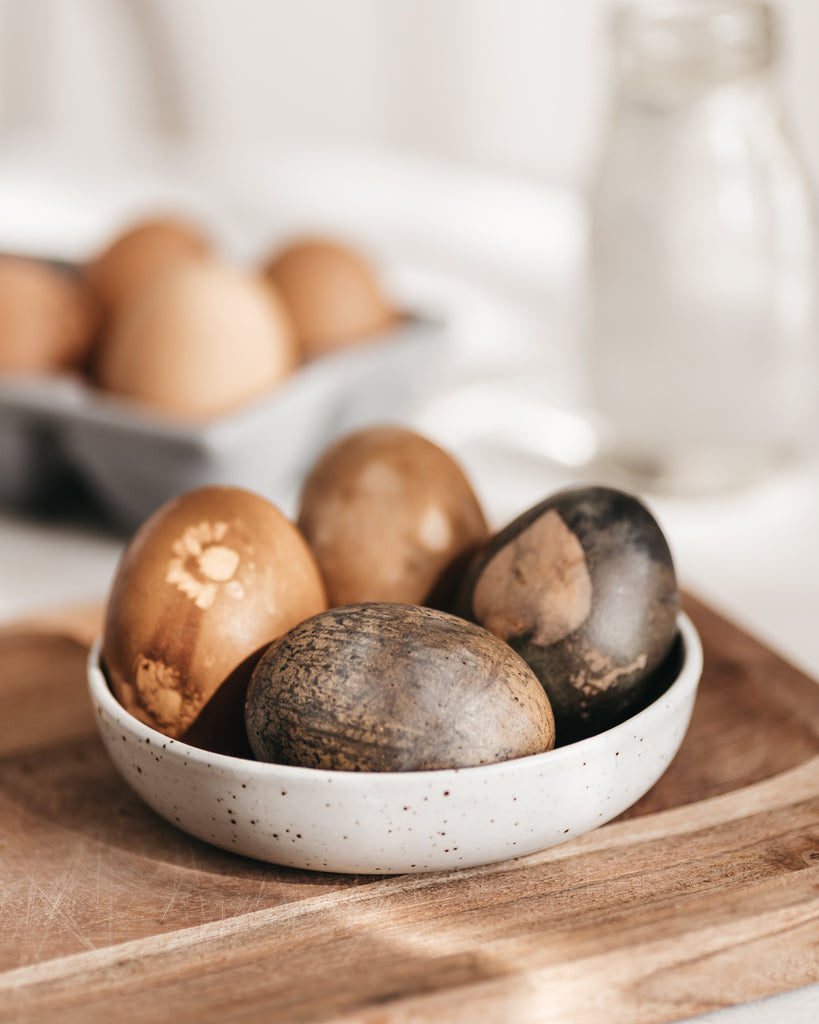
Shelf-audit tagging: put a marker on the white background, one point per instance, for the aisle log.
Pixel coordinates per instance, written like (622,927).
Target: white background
(516,85)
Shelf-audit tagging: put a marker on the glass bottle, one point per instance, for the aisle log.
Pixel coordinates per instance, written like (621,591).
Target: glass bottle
(702,349)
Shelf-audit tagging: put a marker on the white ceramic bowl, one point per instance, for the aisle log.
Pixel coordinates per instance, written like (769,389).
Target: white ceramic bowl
(389,823)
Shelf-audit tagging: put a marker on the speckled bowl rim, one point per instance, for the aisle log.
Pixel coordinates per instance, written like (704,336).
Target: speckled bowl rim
(686,682)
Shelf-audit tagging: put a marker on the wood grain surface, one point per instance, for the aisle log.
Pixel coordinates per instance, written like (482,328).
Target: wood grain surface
(704,894)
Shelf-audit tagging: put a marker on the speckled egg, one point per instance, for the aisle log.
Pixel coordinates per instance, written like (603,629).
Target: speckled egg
(583,586)
(392,687)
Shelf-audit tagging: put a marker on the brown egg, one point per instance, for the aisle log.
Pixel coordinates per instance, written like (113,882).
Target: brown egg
(197,342)
(332,293)
(139,253)
(48,318)
(392,687)
(205,583)
(386,511)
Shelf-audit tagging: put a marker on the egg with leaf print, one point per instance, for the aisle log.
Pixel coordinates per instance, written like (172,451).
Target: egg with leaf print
(205,583)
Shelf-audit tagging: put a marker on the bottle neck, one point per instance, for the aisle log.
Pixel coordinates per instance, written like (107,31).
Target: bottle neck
(674,50)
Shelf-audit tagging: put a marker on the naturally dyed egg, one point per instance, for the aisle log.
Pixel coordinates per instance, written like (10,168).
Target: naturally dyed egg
(332,292)
(385,511)
(583,586)
(141,252)
(197,342)
(392,687)
(48,318)
(206,581)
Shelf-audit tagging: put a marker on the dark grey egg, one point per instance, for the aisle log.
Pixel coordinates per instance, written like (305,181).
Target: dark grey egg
(583,587)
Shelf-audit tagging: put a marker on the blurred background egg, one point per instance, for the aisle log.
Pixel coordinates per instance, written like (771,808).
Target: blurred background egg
(139,253)
(333,294)
(385,511)
(206,581)
(198,341)
(48,318)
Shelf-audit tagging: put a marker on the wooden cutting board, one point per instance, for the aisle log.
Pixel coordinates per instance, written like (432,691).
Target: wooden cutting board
(703,895)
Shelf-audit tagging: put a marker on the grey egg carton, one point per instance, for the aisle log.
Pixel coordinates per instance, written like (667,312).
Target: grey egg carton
(132,460)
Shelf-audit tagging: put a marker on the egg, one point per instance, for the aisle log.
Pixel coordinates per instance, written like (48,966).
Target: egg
(332,293)
(385,511)
(141,252)
(391,687)
(197,342)
(48,318)
(583,587)
(203,585)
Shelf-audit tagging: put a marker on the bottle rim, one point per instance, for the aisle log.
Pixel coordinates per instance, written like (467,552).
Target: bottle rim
(696,38)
